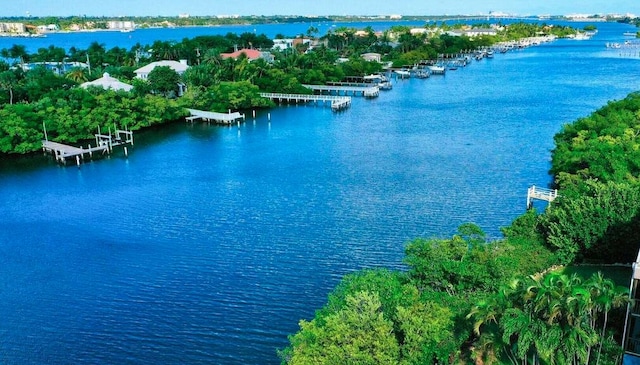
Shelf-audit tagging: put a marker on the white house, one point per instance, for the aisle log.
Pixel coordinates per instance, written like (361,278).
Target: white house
(287,43)
(179,67)
(12,28)
(372,57)
(479,32)
(108,82)
(48,28)
(121,25)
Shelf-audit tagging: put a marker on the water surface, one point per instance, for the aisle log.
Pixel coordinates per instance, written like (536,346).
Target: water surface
(208,244)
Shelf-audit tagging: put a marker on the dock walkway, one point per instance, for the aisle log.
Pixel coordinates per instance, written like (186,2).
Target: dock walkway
(63,151)
(220,118)
(367,91)
(104,145)
(337,102)
(534,193)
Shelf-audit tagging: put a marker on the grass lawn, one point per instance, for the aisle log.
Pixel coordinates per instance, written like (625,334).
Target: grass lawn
(621,275)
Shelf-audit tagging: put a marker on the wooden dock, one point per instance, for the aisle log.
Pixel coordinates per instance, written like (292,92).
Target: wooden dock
(536,193)
(104,145)
(219,118)
(366,91)
(62,151)
(336,102)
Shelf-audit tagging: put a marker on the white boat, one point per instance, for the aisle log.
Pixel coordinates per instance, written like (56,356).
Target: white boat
(630,34)
(435,69)
(385,85)
(581,36)
(380,80)
(422,74)
(402,73)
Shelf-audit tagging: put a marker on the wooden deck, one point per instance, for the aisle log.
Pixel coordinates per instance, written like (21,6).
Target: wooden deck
(63,151)
(220,118)
(336,102)
(367,91)
(536,193)
(104,145)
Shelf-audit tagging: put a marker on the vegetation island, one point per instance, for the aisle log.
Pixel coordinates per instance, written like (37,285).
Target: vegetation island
(526,298)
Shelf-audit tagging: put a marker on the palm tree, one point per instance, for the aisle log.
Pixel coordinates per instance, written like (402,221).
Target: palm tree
(77,74)
(606,297)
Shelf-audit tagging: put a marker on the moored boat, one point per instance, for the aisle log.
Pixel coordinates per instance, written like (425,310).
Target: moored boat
(402,74)
(436,70)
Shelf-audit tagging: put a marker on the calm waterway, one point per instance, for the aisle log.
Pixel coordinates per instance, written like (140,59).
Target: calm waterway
(208,244)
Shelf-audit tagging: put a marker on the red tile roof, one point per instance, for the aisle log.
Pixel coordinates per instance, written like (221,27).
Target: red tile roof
(251,54)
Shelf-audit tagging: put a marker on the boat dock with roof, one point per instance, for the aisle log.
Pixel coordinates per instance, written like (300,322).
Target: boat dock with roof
(367,91)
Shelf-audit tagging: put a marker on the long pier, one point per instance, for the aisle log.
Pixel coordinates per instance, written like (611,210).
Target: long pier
(337,102)
(536,193)
(104,145)
(220,118)
(367,91)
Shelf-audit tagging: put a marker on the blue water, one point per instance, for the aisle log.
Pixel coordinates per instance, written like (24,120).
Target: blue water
(208,244)
(112,39)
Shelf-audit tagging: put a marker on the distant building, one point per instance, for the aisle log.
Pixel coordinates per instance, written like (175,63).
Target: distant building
(282,44)
(121,25)
(287,43)
(184,16)
(59,68)
(108,82)
(415,31)
(251,54)
(479,32)
(179,67)
(48,28)
(372,57)
(12,28)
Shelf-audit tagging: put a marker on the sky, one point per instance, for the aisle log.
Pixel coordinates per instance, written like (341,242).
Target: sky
(313,7)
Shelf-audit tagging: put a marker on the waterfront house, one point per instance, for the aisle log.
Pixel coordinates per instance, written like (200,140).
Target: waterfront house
(417,31)
(282,44)
(58,68)
(288,43)
(121,25)
(372,57)
(108,82)
(12,28)
(251,54)
(178,67)
(48,28)
(475,32)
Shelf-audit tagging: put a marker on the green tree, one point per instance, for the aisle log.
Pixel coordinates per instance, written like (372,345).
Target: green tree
(8,80)
(599,223)
(358,334)
(164,80)
(77,74)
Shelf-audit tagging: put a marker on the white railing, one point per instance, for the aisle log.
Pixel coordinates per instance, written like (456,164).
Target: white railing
(337,102)
(535,192)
